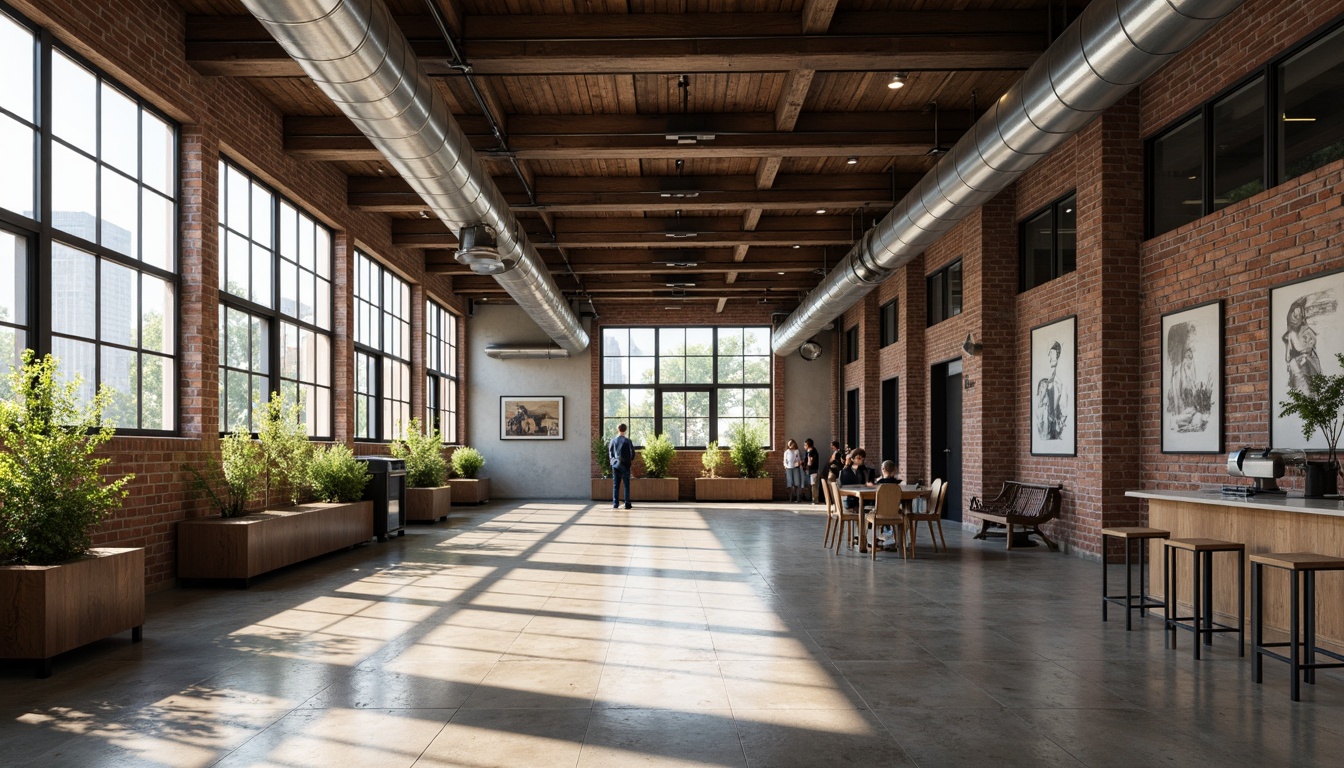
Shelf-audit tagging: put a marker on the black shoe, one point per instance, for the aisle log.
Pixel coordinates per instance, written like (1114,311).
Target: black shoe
(627,506)
(615,506)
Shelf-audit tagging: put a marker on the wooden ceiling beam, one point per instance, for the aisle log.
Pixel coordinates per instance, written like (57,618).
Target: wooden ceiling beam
(628,43)
(817,16)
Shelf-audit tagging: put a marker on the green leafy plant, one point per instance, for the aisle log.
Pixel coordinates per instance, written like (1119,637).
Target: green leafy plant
(1320,407)
(423,452)
(712,459)
(52,492)
(600,456)
(747,451)
(467,462)
(232,481)
(336,475)
(284,441)
(657,455)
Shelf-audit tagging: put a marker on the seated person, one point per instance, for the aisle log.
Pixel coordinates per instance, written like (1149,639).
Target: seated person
(855,473)
(888,473)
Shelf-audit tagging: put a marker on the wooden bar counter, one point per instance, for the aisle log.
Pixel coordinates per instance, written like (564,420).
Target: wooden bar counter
(1264,523)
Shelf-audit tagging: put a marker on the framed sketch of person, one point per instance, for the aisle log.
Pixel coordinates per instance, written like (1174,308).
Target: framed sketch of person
(1192,379)
(528,417)
(1054,379)
(1304,337)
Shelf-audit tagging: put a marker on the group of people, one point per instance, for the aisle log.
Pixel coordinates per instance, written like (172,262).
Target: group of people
(803,470)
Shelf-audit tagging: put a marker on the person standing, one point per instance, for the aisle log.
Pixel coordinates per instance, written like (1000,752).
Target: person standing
(793,470)
(811,463)
(622,454)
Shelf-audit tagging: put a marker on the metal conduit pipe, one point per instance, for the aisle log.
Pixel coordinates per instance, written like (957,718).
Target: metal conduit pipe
(358,57)
(1112,47)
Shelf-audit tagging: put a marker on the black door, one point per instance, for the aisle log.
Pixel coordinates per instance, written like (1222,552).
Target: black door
(852,419)
(890,415)
(945,421)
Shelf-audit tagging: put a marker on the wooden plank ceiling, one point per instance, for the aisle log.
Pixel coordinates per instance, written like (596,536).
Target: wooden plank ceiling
(670,151)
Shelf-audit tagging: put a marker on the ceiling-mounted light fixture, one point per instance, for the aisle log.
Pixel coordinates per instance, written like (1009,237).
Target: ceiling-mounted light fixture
(820,211)
(796,247)
(897,80)
(852,161)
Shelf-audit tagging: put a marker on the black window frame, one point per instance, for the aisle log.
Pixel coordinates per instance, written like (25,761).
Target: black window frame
(713,387)
(940,282)
(274,316)
(445,375)
(41,234)
(1058,267)
(384,312)
(888,323)
(1271,175)
(852,344)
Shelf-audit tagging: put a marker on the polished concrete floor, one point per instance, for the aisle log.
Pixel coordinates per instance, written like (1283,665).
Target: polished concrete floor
(570,634)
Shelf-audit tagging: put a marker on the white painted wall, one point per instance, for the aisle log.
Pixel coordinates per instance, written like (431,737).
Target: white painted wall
(524,469)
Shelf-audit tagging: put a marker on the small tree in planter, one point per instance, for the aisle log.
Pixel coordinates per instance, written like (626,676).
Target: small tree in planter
(336,476)
(52,494)
(231,482)
(600,458)
(284,441)
(657,455)
(712,459)
(427,495)
(752,484)
(1320,407)
(748,452)
(467,487)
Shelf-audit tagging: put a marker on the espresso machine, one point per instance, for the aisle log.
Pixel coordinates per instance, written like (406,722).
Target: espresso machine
(1265,467)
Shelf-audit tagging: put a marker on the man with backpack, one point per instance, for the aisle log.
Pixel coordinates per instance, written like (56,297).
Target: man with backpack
(622,454)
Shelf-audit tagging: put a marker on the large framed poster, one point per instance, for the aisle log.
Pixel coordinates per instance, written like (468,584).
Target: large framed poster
(1304,338)
(1192,379)
(526,417)
(1054,372)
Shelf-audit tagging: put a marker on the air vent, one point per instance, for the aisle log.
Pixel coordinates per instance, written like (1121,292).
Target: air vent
(478,248)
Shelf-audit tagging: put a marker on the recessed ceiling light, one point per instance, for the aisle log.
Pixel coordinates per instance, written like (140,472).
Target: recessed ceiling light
(796,247)
(897,80)
(780,273)
(821,210)
(1192,178)
(852,161)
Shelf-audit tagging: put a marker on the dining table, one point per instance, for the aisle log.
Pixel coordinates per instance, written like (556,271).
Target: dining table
(867,494)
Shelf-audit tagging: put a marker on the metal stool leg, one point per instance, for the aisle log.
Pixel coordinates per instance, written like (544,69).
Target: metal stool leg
(1129,590)
(1294,650)
(1170,557)
(1309,641)
(1257,622)
(1241,604)
(1195,593)
(1104,569)
(1143,592)
(1207,596)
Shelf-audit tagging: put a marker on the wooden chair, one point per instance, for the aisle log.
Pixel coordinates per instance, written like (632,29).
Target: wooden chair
(932,514)
(887,511)
(846,519)
(832,513)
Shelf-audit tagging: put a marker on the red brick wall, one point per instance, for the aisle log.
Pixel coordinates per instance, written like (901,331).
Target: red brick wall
(142,44)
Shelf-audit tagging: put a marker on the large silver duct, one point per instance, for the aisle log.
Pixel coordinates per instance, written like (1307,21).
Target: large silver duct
(360,59)
(525,352)
(1112,47)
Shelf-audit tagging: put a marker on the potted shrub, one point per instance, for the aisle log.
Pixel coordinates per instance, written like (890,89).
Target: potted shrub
(655,485)
(240,544)
(467,487)
(749,455)
(428,496)
(1320,407)
(56,593)
(601,483)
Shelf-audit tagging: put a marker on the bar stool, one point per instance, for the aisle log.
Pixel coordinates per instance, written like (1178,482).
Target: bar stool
(1202,623)
(1129,535)
(1305,564)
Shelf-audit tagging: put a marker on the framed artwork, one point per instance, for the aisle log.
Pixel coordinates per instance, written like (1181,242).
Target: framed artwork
(525,417)
(1192,379)
(1054,379)
(1304,337)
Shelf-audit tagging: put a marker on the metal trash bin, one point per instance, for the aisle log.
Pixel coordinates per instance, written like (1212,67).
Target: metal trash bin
(387,491)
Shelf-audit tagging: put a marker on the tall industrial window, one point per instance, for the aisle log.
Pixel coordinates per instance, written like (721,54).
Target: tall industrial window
(944,288)
(1048,243)
(691,383)
(851,344)
(382,351)
(1223,153)
(441,371)
(888,325)
(275,305)
(99,261)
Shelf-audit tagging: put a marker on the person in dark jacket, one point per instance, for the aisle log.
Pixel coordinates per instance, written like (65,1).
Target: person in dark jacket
(856,473)
(811,465)
(622,454)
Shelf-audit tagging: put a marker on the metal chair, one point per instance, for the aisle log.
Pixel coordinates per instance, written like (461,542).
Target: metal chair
(933,515)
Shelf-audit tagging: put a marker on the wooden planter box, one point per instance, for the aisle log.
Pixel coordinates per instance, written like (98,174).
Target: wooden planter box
(50,609)
(641,489)
(428,505)
(243,547)
(734,489)
(470,491)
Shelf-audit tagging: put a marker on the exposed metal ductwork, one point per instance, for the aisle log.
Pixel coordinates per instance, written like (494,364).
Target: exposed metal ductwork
(356,54)
(1112,47)
(525,352)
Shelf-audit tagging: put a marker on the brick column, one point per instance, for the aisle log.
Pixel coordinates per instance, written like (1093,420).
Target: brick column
(994,371)
(418,395)
(343,338)
(198,265)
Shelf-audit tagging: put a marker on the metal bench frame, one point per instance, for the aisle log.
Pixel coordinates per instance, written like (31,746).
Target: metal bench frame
(1024,505)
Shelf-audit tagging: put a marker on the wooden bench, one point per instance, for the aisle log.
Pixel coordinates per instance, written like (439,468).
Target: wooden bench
(1028,505)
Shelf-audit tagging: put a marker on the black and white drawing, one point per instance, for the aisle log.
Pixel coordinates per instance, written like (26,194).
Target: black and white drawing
(1053,376)
(1304,337)
(1192,393)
